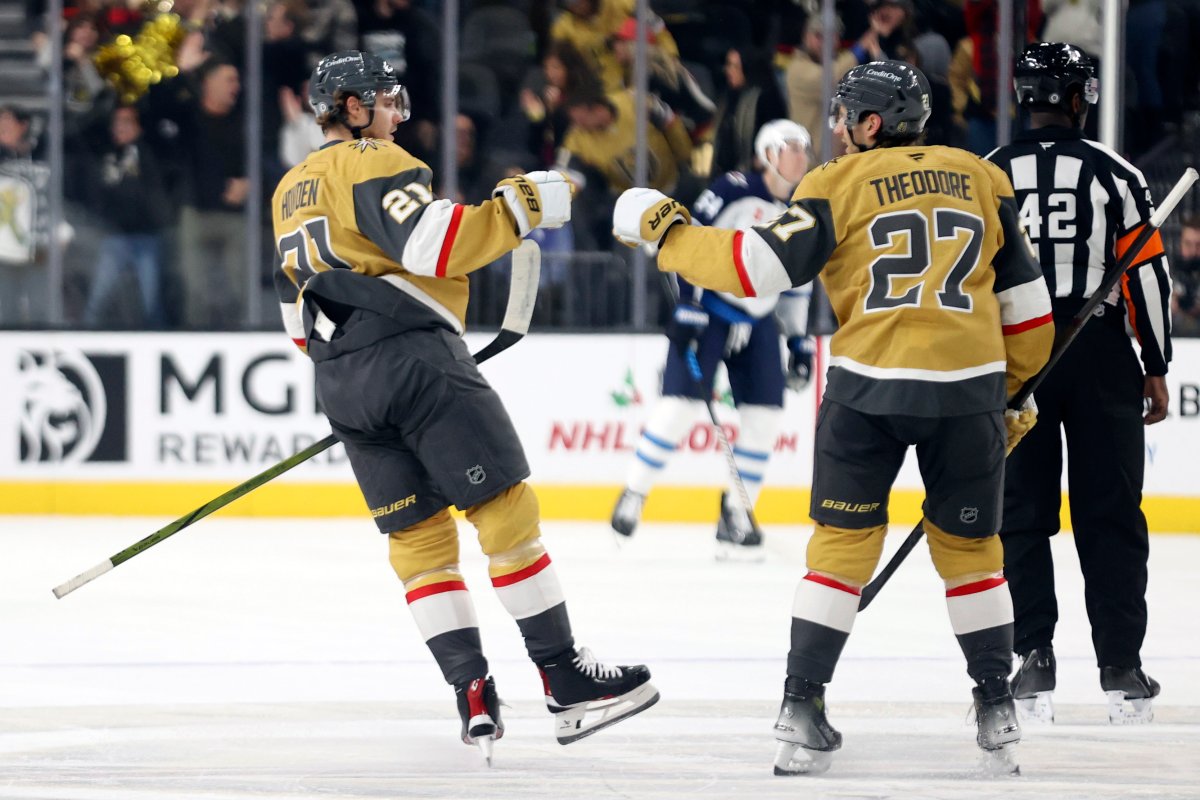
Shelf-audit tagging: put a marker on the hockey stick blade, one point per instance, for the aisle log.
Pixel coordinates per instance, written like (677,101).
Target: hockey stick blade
(1182,186)
(522,294)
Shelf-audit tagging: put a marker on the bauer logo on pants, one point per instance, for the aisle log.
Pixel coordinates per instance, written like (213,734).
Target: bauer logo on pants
(72,407)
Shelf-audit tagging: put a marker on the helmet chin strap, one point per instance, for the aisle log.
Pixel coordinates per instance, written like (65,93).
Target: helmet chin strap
(356,131)
(862,148)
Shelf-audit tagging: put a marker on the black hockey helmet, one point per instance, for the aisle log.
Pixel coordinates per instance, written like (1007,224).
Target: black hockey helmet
(898,92)
(364,75)
(1047,73)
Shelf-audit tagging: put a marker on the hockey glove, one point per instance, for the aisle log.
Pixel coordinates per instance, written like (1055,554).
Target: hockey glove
(641,218)
(800,359)
(1017,423)
(536,200)
(739,337)
(687,325)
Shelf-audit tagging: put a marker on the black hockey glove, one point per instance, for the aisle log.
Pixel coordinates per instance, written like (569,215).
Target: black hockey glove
(800,358)
(687,325)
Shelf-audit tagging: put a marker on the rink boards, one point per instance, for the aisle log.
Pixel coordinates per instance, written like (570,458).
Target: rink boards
(160,423)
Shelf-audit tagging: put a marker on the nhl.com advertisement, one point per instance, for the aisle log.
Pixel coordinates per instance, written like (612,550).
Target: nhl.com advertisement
(223,407)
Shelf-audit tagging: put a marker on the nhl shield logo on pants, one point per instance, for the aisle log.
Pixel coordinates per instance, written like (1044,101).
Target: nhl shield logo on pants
(968,515)
(476,475)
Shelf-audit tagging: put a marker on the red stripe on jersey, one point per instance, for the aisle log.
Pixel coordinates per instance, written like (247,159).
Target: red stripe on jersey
(740,265)
(435,588)
(1027,325)
(301,343)
(448,242)
(975,588)
(832,584)
(522,574)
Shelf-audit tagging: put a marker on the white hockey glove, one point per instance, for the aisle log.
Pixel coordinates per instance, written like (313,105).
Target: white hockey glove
(739,337)
(642,216)
(1017,423)
(536,200)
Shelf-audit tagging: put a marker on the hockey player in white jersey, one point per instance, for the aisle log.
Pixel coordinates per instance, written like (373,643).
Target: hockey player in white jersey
(742,332)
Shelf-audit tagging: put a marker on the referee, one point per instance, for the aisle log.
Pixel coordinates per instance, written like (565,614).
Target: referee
(1082,205)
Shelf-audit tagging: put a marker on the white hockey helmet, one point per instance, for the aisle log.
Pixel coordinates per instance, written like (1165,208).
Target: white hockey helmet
(775,135)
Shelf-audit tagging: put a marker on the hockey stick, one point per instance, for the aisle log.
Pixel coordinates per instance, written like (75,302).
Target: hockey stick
(741,505)
(1063,341)
(522,291)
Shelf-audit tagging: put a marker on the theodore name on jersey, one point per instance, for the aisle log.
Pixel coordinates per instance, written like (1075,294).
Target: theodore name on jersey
(918,182)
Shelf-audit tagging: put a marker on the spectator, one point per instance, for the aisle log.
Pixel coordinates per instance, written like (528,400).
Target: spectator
(16,135)
(1185,302)
(212,227)
(410,40)
(87,98)
(751,99)
(565,73)
(285,66)
(804,76)
(589,25)
(1145,22)
(668,79)
(332,26)
(598,154)
(300,134)
(890,19)
(128,193)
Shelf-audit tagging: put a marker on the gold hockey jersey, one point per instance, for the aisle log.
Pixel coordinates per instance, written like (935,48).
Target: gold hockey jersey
(367,206)
(941,308)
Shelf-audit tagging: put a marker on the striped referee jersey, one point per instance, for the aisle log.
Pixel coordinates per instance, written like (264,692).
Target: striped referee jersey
(1083,205)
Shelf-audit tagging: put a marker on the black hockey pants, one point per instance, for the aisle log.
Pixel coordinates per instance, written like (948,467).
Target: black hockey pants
(1094,394)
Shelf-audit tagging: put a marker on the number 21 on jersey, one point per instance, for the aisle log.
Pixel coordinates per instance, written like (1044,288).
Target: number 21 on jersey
(295,256)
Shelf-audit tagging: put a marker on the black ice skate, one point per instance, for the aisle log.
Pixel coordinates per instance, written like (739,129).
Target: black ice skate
(806,740)
(997,728)
(738,537)
(479,707)
(627,512)
(577,685)
(1033,685)
(1130,693)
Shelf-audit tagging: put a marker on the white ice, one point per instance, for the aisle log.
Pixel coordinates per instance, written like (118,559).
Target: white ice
(276,660)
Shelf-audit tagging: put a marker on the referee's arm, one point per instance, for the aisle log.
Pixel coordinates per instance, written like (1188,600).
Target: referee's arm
(1146,286)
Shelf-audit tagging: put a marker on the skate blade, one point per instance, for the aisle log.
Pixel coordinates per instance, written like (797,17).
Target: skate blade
(1000,763)
(740,554)
(485,745)
(1139,711)
(1039,708)
(572,724)
(811,762)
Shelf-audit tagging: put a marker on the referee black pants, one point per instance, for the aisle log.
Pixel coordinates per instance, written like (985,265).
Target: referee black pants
(1094,395)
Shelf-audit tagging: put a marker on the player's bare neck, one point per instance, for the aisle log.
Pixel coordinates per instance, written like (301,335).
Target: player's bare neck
(1050,119)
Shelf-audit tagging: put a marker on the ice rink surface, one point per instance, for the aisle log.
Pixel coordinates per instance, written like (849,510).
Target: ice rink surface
(276,660)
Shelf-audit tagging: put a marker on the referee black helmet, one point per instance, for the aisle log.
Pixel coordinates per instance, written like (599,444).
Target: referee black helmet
(1049,74)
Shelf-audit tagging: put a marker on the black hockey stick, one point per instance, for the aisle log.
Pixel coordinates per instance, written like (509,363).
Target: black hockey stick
(1064,340)
(742,504)
(522,291)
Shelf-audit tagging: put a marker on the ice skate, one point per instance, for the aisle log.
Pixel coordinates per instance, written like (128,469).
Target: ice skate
(627,512)
(479,707)
(586,696)
(1033,685)
(997,728)
(738,538)
(805,738)
(1130,693)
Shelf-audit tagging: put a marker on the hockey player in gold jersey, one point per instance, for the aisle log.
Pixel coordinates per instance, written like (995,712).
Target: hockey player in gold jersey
(373,284)
(943,314)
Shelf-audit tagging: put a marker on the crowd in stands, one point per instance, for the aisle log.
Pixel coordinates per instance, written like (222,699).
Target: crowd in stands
(158,188)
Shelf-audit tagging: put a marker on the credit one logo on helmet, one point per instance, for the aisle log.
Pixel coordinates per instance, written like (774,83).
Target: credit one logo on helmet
(72,407)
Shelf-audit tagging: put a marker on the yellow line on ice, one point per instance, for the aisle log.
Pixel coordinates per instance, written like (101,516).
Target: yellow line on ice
(559,502)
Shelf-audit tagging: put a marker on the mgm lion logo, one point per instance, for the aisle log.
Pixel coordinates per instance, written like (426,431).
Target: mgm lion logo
(63,407)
